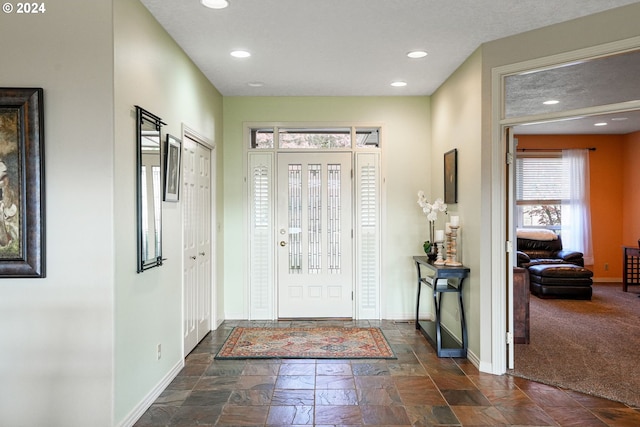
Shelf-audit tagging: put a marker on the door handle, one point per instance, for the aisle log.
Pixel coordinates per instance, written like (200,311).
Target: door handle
(283,243)
(193,257)
(201,253)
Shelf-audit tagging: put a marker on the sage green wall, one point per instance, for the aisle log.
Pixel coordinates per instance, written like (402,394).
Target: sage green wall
(456,121)
(153,72)
(56,333)
(406,169)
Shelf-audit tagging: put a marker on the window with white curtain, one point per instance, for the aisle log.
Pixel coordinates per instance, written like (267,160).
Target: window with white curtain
(541,186)
(552,191)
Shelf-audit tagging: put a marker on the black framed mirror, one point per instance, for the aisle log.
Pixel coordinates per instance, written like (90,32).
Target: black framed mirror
(149,189)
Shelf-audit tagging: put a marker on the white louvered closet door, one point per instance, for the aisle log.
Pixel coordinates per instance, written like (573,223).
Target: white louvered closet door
(314,235)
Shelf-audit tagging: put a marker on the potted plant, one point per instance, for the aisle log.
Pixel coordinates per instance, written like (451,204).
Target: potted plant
(431,211)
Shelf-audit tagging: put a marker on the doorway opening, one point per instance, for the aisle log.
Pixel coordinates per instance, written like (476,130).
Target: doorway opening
(568,114)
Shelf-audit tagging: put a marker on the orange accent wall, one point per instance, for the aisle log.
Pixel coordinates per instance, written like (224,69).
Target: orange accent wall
(610,166)
(631,188)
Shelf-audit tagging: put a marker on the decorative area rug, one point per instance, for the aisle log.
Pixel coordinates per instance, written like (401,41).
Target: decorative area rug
(302,343)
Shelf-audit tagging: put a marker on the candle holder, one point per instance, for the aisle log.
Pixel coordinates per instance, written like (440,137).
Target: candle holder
(452,250)
(439,258)
(448,245)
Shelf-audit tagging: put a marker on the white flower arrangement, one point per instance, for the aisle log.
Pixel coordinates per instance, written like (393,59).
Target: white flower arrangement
(431,211)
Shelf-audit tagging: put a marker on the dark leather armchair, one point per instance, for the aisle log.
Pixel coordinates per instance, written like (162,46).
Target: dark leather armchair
(553,271)
(534,252)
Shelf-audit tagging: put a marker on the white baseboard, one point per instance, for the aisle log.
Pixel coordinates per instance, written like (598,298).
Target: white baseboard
(486,367)
(151,397)
(217,323)
(607,279)
(235,316)
(473,358)
(404,317)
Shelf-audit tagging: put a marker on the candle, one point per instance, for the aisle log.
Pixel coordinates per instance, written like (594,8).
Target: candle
(439,235)
(447,228)
(455,221)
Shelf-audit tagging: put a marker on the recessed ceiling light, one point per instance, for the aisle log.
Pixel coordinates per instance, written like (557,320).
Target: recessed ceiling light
(215,4)
(417,54)
(240,54)
(600,124)
(619,119)
(399,84)
(256,84)
(551,102)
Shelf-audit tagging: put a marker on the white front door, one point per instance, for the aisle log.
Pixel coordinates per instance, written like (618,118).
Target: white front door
(314,235)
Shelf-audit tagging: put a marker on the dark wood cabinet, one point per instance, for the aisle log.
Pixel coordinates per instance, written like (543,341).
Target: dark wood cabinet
(520,305)
(630,266)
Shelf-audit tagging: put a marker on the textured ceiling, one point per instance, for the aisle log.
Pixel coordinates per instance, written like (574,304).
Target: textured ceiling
(609,80)
(351,47)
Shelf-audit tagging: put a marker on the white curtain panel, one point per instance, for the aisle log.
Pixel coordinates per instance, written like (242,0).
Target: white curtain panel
(576,211)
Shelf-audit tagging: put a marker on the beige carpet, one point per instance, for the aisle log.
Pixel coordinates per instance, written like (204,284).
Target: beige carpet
(587,346)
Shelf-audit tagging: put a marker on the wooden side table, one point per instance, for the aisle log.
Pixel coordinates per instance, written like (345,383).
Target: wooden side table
(630,266)
(446,345)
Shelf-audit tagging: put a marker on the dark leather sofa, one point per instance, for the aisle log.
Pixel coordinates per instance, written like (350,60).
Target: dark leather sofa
(553,271)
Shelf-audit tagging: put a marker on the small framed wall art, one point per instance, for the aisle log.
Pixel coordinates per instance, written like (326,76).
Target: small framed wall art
(451,176)
(173,150)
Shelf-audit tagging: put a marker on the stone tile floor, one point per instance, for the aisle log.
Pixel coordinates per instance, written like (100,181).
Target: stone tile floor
(417,389)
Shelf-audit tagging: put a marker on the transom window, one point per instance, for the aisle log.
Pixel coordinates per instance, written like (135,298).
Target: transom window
(315,138)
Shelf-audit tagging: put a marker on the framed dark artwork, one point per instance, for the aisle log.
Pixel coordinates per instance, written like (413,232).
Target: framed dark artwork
(172,152)
(22,213)
(451,176)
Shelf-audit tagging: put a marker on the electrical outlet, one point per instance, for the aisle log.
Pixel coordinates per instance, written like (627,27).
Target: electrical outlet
(606,266)
(159,351)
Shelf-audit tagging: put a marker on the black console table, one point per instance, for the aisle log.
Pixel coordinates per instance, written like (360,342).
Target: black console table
(445,344)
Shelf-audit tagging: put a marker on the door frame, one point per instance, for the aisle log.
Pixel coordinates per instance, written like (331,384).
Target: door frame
(214,321)
(502,283)
(356,152)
